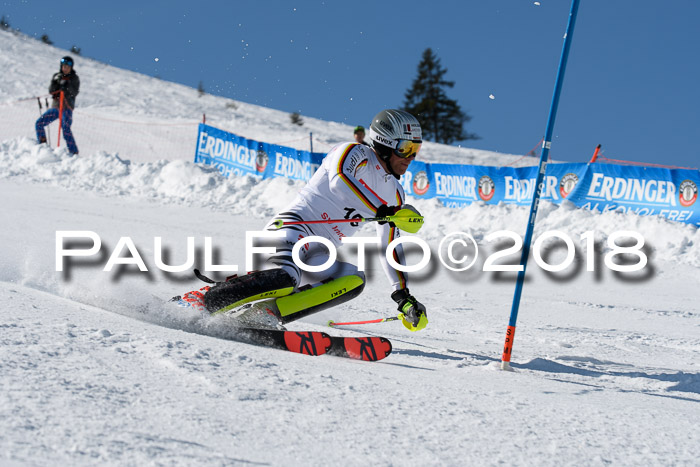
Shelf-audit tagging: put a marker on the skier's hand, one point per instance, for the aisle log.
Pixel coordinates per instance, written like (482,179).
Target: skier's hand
(413,314)
(386,211)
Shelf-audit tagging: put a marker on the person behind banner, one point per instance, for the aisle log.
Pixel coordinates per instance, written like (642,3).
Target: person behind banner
(359,134)
(65,80)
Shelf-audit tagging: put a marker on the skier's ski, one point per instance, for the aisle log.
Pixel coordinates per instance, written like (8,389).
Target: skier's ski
(369,349)
(303,342)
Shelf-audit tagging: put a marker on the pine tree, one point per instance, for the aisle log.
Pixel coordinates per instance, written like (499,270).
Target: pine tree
(441,118)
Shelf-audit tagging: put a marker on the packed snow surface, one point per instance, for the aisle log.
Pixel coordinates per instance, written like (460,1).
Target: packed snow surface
(96,367)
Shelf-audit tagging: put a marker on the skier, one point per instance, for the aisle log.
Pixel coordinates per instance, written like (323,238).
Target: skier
(353,181)
(65,80)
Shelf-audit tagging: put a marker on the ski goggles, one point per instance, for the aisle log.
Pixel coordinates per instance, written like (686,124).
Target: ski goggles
(66,62)
(406,148)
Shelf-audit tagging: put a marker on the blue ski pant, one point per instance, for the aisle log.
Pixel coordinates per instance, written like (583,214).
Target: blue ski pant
(51,115)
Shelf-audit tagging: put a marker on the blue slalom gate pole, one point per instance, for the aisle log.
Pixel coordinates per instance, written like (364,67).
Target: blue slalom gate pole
(546,145)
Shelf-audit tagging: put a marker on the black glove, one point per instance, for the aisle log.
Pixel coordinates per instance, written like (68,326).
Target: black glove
(386,211)
(411,308)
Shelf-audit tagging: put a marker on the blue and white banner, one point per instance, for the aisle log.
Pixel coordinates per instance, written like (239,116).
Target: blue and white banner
(235,155)
(459,185)
(603,187)
(643,190)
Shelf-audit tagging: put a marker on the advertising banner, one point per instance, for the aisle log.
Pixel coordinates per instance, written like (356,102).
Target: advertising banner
(459,185)
(235,155)
(603,187)
(645,191)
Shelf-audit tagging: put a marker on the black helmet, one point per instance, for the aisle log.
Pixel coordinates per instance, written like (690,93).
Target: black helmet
(67,60)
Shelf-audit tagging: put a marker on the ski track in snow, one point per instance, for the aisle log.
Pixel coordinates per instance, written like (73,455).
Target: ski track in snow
(96,369)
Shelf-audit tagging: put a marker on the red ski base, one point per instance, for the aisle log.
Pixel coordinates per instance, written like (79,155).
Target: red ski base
(369,349)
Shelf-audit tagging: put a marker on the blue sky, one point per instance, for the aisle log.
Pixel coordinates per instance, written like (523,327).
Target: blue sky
(631,84)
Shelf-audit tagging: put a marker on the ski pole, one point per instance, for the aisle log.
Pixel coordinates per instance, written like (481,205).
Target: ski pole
(48,133)
(60,120)
(404,219)
(332,323)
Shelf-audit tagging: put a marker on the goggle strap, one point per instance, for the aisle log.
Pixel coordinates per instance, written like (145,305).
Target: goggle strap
(373,135)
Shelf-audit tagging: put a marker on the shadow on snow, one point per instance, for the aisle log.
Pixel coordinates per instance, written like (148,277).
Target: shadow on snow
(684,382)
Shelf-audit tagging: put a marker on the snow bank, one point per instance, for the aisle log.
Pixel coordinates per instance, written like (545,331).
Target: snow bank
(186,183)
(167,182)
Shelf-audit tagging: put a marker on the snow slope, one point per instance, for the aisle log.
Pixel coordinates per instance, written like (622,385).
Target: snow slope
(110,98)
(96,369)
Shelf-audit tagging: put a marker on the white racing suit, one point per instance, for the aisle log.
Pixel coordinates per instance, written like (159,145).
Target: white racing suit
(350,183)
